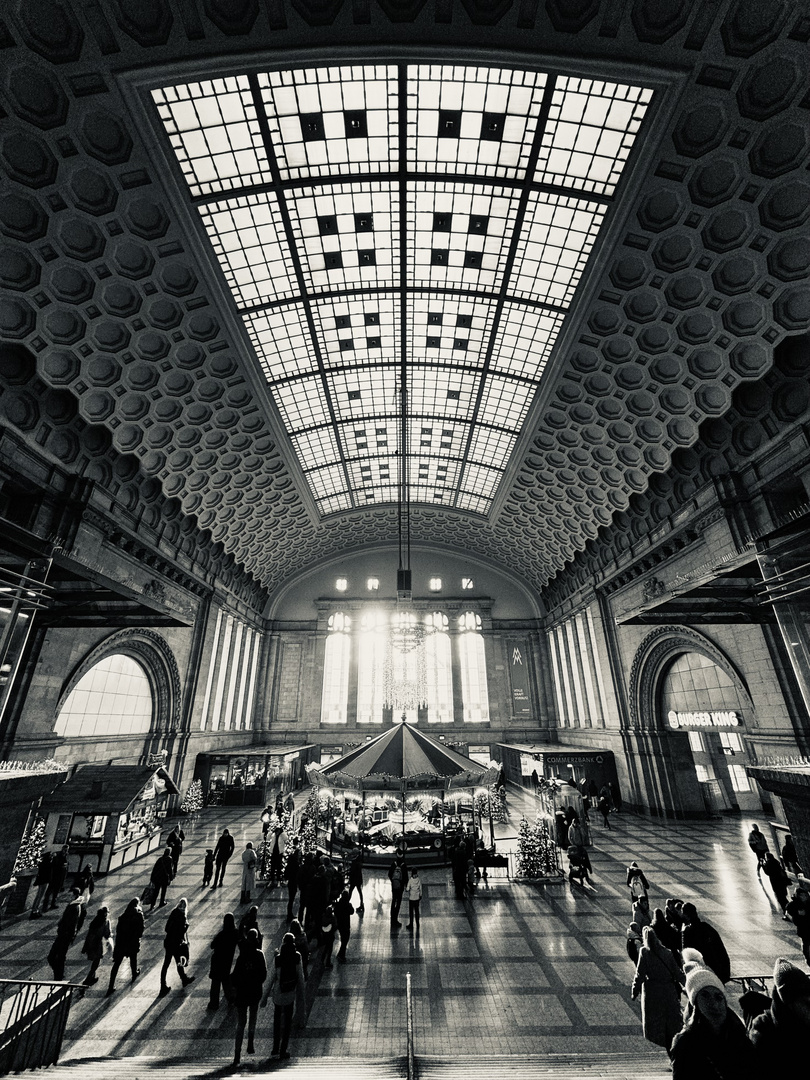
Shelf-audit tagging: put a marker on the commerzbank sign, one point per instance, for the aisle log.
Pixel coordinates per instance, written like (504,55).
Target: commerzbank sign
(703,719)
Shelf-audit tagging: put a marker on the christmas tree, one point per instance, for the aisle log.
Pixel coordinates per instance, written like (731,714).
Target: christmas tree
(307,830)
(193,801)
(31,848)
(537,852)
(498,799)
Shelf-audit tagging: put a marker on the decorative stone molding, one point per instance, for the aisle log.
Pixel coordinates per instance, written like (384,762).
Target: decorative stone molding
(654,653)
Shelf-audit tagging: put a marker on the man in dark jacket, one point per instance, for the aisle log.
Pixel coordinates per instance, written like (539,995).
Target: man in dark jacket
(700,935)
(397,875)
(222,852)
(175,841)
(70,923)
(59,867)
(162,874)
(42,882)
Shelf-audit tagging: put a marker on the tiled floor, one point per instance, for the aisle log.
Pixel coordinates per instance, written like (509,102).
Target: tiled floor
(522,969)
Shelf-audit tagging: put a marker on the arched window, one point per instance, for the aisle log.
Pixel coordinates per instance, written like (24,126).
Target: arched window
(473,668)
(438,669)
(371,646)
(336,670)
(405,667)
(113,698)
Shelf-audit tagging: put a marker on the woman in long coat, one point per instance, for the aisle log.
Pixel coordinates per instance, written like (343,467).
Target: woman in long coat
(128,933)
(223,948)
(176,945)
(248,872)
(659,980)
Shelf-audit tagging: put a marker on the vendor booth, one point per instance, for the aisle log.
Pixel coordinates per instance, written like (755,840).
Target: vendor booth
(402,790)
(590,770)
(252,775)
(107,815)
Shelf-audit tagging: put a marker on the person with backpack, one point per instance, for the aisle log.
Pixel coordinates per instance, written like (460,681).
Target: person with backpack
(249,974)
(286,980)
(636,882)
(128,933)
(397,875)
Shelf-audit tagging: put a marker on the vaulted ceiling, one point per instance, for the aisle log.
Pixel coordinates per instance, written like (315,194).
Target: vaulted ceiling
(140,297)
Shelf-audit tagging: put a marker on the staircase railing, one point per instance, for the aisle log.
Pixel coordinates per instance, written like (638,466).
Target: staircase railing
(33,1016)
(409,1026)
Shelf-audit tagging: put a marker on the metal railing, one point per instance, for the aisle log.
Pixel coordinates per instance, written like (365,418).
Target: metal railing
(409,1026)
(33,1016)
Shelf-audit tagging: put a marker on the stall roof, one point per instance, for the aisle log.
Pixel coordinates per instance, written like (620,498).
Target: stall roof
(104,789)
(553,748)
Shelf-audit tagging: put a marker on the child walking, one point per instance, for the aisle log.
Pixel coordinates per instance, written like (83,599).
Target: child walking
(208,866)
(413,890)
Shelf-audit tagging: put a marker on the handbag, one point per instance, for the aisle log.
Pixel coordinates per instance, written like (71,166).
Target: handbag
(182,954)
(149,893)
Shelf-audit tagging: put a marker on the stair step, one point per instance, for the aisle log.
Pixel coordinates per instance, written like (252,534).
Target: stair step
(149,1068)
(590,1066)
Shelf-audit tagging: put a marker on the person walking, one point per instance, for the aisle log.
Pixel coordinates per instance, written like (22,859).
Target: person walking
(286,980)
(798,910)
(42,881)
(603,806)
(223,949)
(174,841)
(99,933)
(250,921)
(318,900)
(413,890)
(633,942)
(208,866)
(636,882)
(328,931)
(248,872)
(70,923)
(775,873)
(223,849)
(59,865)
(356,877)
(789,856)
(759,845)
(128,933)
(398,875)
(343,913)
(305,875)
(659,980)
(162,874)
(176,946)
(458,863)
(702,936)
(712,1044)
(278,845)
(301,944)
(641,912)
(781,1035)
(292,871)
(249,974)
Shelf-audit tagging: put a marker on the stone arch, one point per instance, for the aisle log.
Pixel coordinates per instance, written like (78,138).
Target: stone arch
(654,655)
(156,658)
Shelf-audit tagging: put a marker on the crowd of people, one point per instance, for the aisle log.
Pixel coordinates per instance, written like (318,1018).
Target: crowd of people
(682,970)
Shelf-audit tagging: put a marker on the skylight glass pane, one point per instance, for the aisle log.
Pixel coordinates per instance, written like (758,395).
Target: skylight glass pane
(524,340)
(459,234)
(554,247)
(328,121)
(472,120)
(358,331)
(476,504)
(439,436)
(504,402)
(214,131)
(317,448)
(436,392)
(302,403)
(326,482)
(481,480)
(248,239)
(443,329)
(490,446)
(282,342)
(347,235)
(334,504)
(364,392)
(591,129)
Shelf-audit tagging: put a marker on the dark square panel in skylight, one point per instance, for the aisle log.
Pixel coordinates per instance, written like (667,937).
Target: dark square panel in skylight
(371,318)
(356,123)
(327,225)
(366,257)
(492,125)
(479,223)
(442,222)
(449,123)
(439,256)
(312,127)
(363,223)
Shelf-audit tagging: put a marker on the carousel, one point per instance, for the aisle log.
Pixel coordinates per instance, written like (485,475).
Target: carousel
(401,791)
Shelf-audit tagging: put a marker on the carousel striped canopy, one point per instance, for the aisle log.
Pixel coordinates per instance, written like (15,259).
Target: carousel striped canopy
(402,756)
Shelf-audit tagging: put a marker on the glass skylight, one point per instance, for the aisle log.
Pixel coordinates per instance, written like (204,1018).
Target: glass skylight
(373,215)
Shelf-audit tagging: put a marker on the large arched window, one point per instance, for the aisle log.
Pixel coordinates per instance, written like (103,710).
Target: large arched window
(473,668)
(113,698)
(336,670)
(371,647)
(406,690)
(438,672)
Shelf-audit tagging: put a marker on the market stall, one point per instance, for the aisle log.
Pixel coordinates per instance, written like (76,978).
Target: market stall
(252,775)
(402,790)
(107,815)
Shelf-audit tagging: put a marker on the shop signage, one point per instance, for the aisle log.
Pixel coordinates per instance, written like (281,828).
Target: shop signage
(703,719)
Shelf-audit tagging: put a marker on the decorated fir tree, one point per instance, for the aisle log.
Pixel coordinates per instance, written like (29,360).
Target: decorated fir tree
(307,829)
(193,801)
(537,852)
(498,800)
(31,848)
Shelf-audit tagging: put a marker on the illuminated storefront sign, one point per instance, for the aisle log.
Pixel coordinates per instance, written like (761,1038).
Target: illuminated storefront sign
(703,719)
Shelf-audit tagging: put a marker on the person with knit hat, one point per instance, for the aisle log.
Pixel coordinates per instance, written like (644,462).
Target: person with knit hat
(712,1044)
(659,980)
(702,936)
(782,1034)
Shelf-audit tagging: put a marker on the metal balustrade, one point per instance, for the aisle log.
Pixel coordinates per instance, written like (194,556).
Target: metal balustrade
(33,1016)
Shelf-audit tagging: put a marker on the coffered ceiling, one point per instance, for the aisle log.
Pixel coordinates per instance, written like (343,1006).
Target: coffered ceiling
(221,250)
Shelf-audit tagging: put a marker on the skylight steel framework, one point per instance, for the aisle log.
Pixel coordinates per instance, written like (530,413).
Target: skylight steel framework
(375,220)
